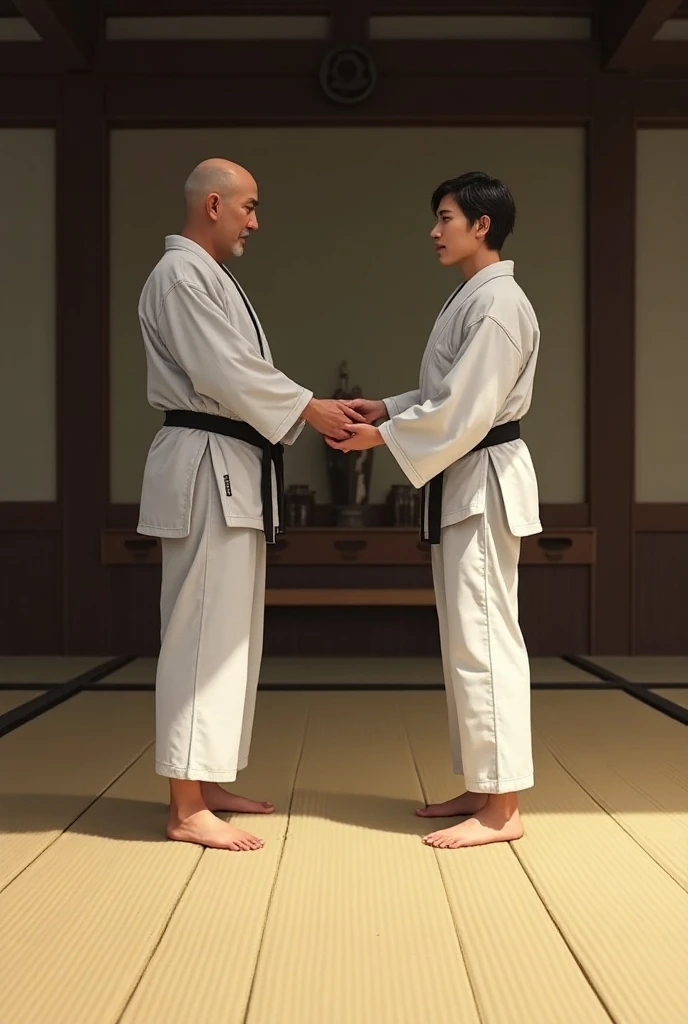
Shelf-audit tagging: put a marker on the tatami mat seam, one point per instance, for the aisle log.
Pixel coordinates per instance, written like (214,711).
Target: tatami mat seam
(278,867)
(184,888)
(439,870)
(581,968)
(550,914)
(161,936)
(531,881)
(564,939)
(74,820)
(616,821)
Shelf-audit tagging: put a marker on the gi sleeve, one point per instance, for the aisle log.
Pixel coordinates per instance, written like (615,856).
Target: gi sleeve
(399,403)
(223,365)
(426,439)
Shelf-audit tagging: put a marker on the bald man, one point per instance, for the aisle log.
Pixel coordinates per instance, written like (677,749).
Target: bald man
(212,490)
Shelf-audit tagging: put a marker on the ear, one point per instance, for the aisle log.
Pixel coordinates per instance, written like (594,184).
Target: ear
(482,226)
(212,205)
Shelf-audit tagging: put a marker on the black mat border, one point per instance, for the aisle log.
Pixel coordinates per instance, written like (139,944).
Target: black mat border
(105,687)
(53,695)
(642,693)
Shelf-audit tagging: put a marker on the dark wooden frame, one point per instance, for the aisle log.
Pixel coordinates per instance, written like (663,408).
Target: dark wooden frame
(85,107)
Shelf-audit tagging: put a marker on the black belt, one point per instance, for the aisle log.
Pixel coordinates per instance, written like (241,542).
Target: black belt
(433,521)
(273,454)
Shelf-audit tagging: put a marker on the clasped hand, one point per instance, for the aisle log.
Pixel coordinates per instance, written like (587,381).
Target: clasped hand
(346,424)
(362,434)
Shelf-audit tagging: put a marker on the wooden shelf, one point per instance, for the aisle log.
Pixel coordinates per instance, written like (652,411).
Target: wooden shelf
(375,546)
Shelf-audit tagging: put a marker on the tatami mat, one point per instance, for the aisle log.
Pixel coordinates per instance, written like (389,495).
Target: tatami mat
(509,940)
(10,699)
(141,670)
(633,762)
(646,669)
(623,916)
(351,920)
(53,767)
(342,671)
(80,925)
(221,915)
(40,669)
(359,927)
(556,670)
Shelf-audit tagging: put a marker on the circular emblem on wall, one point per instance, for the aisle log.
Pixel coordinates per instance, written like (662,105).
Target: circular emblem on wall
(348,75)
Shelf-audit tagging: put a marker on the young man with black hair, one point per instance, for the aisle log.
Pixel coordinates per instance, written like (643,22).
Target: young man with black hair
(458,438)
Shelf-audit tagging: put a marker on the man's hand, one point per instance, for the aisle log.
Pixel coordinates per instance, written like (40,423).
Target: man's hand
(363,436)
(331,417)
(370,409)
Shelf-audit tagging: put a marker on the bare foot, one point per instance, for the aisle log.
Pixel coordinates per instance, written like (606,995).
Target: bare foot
(490,825)
(218,799)
(205,829)
(467,803)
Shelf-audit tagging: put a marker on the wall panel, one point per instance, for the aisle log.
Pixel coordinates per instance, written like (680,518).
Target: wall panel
(27,315)
(661,317)
(343,268)
(661,438)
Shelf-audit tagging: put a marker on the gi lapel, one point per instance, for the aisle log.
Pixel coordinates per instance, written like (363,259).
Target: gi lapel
(249,308)
(503,268)
(445,315)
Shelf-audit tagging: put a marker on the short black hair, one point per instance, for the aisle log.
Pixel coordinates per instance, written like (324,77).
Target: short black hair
(478,195)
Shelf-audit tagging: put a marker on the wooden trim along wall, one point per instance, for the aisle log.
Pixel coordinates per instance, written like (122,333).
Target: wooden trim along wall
(92,607)
(82,225)
(611,355)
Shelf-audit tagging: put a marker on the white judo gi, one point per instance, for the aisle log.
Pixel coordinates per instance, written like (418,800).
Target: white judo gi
(206,352)
(477,373)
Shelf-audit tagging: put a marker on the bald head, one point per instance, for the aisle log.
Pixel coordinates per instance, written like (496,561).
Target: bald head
(214,176)
(221,198)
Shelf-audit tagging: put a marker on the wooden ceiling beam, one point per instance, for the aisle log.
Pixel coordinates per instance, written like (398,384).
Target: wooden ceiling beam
(628,27)
(70,27)
(170,8)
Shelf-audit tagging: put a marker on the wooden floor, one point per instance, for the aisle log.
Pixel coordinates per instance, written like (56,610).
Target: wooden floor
(344,917)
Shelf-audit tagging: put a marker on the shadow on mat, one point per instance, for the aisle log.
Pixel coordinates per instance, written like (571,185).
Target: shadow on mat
(144,821)
(132,820)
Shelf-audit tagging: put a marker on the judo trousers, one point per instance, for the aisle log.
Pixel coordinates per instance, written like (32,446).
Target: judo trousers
(212,612)
(484,657)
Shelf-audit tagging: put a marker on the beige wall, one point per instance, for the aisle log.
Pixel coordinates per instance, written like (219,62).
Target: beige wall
(343,268)
(27,315)
(661,317)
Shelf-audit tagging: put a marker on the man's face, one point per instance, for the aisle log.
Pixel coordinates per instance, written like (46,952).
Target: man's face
(455,239)
(235,215)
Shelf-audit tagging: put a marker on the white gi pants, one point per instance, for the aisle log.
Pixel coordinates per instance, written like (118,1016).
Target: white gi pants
(484,658)
(212,609)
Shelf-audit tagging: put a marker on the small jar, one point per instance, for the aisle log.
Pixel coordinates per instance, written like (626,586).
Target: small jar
(299,503)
